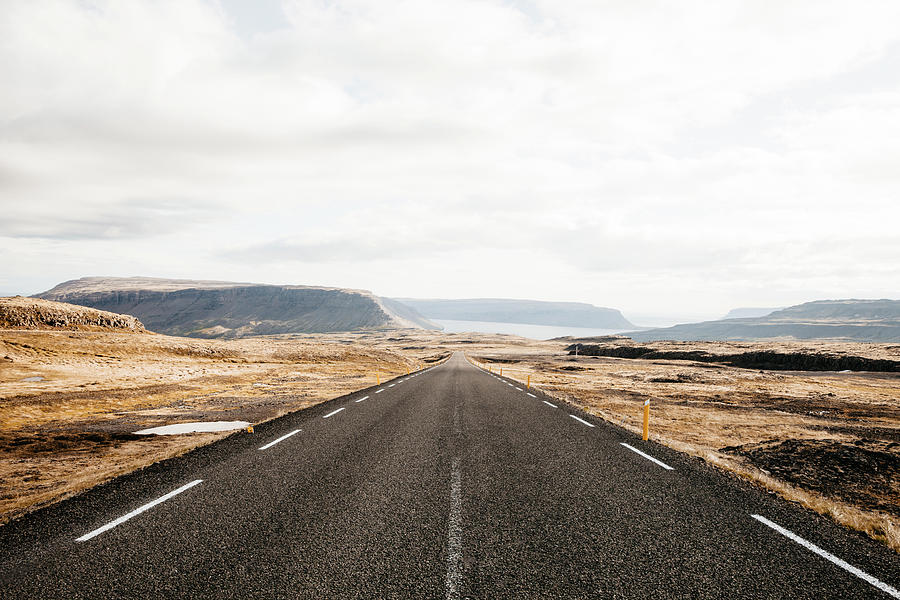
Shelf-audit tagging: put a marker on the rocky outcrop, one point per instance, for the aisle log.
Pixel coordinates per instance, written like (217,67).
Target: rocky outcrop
(763,359)
(30,313)
(216,309)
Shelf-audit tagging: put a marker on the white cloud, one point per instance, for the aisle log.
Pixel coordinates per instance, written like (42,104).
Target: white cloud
(695,155)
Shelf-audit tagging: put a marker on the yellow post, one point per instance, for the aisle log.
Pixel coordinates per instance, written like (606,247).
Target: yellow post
(250,429)
(378,378)
(646,420)
(528,383)
(501,371)
(407,370)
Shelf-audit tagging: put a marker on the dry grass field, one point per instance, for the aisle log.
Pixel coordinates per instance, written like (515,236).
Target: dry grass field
(829,440)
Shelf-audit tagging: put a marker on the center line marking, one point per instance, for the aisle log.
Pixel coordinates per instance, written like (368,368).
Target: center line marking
(137,511)
(379,391)
(392,385)
(580,420)
(553,405)
(892,591)
(334,412)
(454,534)
(363,398)
(530,394)
(648,457)
(518,388)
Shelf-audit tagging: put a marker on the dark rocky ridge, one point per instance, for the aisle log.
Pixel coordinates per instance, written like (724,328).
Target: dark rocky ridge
(769,360)
(222,309)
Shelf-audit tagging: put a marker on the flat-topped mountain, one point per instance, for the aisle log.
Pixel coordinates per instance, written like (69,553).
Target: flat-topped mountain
(216,309)
(532,312)
(852,320)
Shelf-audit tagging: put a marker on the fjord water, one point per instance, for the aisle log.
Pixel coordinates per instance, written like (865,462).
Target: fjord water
(537,332)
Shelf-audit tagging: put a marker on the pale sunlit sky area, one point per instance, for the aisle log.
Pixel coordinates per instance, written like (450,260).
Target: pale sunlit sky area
(663,158)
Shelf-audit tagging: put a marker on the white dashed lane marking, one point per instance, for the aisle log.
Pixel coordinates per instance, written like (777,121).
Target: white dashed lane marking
(553,405)
(334,412)
(648,457)
(137,511)
(582,421)
(363,398)
(281,439)
(892,591)
(532,395)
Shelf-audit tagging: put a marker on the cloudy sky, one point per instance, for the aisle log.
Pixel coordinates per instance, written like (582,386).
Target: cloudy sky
(675,159)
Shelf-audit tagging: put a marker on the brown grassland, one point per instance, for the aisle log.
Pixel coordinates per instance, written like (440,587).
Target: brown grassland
(827,440)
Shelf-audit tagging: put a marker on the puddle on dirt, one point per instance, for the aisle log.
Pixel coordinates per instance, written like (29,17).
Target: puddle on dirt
(197,427)
(35,378)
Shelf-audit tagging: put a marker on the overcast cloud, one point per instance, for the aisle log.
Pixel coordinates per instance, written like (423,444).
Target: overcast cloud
(661,158)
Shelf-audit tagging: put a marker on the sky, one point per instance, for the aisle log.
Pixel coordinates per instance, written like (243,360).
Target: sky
(671,160)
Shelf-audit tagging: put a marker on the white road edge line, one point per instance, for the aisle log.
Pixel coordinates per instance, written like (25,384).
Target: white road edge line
(530,394)
(648,457)
(138,511)
(454,534)
(281,439)
(379,391)
(892,591)
(334,412)
(363,398)
(582,421)
(553,405)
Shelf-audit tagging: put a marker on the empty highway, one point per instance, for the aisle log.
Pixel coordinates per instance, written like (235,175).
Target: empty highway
(450,483)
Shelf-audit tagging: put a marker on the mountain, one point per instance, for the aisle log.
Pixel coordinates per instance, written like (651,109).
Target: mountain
(850,320)
(532,312)
(750,313)
(215,309)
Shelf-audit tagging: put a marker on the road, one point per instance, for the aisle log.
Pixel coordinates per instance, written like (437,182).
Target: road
(452,483)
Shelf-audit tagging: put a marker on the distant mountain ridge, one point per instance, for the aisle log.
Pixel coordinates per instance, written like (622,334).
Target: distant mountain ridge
(532,312)
(750,312)
(850,320)
(215,309)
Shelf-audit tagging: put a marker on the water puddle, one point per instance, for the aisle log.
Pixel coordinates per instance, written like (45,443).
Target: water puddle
(198,427)
(35,378)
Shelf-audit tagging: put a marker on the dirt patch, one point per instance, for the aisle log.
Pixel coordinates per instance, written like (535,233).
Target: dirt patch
(863,473)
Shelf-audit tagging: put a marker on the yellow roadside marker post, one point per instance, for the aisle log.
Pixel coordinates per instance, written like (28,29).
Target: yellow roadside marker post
(528,383)
(378,378)
(501,371)
(250,429)
(646,419)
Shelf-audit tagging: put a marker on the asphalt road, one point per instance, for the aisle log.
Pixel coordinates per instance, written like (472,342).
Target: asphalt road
(452,483)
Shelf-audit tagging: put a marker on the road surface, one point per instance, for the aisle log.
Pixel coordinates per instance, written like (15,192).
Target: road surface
(451,483)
